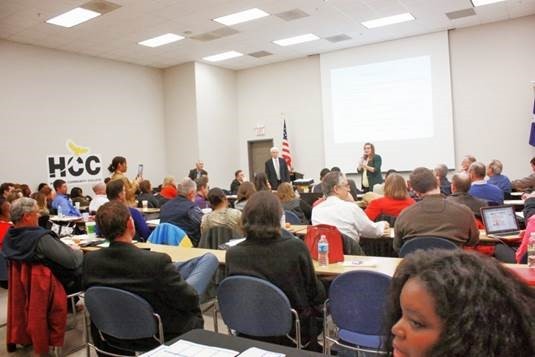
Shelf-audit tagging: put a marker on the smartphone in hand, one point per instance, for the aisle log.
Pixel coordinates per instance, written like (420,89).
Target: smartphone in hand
(140,170)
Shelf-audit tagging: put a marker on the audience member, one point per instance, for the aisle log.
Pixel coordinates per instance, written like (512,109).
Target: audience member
(291,202)
(201,197)
(434,215)
(460,185)
(182,212)
(346,216)
(6,188)
(353,190)
(317,187)
(25,190)
(171,289)
(44,212)
(28,242)
(49,194)
(100,197)
(494,172)
(527,183)
(239,178)
(395,200)
(465,164)
(379,188)
(221,214)
(245,191)
(118,168)
(116,191)
(77,195)
(198,171)
(261,182)
(276,170)
(5,219)
(454,303)
(480,188)
(146,195)
(441,172)
(168,190)
(283,261)
(61,202)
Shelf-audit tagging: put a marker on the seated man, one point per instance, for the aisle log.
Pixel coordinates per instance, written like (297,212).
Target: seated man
(171,289)
(482,189)
(460,185)
(239,178)
(434,215)
(100,197)
(340,211)
(441,171)
(198,171)
(28,242)
(182,212)
(527,183)
(353,190)
(116,191)
(61,202)
(201,197)
(494,172)
(465,164)
(317,187)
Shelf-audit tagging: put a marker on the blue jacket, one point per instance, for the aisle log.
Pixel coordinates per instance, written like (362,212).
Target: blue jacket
(487,192)
(184,214)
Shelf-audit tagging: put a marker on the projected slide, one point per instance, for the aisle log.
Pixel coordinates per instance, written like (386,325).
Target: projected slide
(382,101)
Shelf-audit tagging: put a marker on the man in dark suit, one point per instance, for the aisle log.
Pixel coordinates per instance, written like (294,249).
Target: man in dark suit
(198,171)
(171,289)
(276,169)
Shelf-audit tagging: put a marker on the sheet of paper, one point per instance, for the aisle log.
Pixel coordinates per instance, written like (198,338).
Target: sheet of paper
(183,348)
(368,263)
(233,242)
(258,352)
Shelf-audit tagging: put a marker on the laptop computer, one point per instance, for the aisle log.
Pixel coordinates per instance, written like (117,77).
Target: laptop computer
(500,220)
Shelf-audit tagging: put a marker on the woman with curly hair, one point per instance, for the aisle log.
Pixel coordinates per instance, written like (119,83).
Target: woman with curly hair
(454,303)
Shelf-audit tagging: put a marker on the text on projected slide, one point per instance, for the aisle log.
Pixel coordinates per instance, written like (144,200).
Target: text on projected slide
(383,101)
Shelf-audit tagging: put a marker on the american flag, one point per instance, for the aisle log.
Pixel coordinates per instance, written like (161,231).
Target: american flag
(286,154)
(532,133)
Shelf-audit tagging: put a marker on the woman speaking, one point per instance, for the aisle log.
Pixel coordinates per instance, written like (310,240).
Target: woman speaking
(370,166)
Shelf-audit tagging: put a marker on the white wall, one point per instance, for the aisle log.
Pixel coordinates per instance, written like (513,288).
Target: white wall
(180,139)
(491,68)
(217,122)
(292,88)
(48,96)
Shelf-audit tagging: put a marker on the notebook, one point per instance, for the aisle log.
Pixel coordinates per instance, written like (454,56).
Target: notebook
(500,220)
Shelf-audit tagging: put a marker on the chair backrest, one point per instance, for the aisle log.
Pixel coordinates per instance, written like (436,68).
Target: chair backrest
(217,236)
(425,243)
(3,268)
(120,314)
(291,217)
(254,306)
(357,301)
(169,234)
(336,248)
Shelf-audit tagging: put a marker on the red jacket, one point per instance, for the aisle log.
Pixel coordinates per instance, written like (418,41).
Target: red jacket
(387,206)
(38,318)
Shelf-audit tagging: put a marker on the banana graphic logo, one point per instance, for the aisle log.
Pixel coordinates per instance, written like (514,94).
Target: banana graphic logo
(76,149)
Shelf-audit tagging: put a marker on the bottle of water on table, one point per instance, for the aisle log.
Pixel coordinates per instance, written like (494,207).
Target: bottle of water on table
(60,212)
(323,251)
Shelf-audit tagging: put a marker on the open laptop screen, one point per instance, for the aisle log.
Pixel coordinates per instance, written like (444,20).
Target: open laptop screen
(499,219)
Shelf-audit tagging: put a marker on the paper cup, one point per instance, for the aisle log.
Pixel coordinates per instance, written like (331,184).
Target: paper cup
(145,203)
(90,229)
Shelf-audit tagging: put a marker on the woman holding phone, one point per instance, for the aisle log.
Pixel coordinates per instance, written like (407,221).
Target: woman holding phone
(370,167)
(117,168)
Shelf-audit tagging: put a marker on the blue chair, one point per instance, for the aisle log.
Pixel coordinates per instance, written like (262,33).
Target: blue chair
(169,234)
(256,307)
(425,243)
(356,302)
(291,217)
(123,316)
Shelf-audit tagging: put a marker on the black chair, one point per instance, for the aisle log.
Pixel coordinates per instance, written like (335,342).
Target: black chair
(425,243)
(505,253)
(124,318)
(217,236)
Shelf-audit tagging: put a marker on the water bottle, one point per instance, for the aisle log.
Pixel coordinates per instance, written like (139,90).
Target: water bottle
(60,212)
(531,251)
(283,220)
(323,251)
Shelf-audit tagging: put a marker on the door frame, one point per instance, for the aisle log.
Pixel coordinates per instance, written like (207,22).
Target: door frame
(250,143)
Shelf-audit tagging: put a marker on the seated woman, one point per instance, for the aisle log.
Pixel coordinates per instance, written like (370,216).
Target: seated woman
(245,191)
(454,303)
(283,261)
(146,195)
(290,202)
(396,199)
(44,212)
(78,196)
(261,182)
(221,214)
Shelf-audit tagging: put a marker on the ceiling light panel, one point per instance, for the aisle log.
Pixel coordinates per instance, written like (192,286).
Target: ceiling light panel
(477,3)
(389,20)
(161,40)
(242,16)
(73,17)
(223,56)
(296,40)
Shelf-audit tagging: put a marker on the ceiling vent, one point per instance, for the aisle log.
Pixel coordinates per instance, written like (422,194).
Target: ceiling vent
(260,54)
(454,15)
(292,15)
(100,6)
(338,38)
(214,35)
